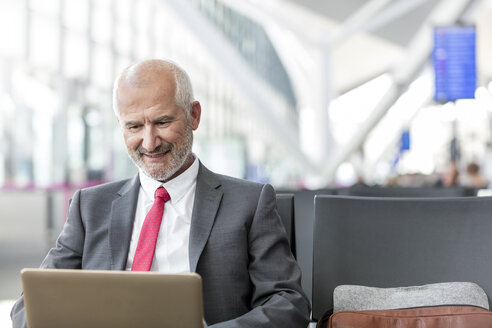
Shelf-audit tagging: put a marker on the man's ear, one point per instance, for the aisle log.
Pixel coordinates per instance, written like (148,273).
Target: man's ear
(195,114)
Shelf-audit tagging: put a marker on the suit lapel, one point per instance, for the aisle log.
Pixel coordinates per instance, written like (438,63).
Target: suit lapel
(121,225)
(206,205)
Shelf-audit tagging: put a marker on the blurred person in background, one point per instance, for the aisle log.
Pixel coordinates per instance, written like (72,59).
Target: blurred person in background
(225,229)
(473,177)
(449,178)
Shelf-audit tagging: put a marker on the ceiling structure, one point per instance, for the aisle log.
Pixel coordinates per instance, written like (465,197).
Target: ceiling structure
(368,38)
(331,47)
(399,32)
(386,34)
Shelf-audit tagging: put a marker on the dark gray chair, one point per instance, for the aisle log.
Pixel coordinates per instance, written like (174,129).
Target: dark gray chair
(304,223)
(285,208)
(396,242)
(408,191)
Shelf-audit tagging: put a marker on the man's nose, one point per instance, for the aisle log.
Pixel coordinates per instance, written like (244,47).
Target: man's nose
(150,139)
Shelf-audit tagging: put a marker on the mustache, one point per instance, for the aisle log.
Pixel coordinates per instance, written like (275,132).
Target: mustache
(158,150)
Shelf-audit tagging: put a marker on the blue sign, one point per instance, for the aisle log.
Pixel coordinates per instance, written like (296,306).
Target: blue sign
(405,141)
(454,62)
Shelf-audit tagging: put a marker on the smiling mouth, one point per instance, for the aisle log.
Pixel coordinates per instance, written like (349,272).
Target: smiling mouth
(156,155)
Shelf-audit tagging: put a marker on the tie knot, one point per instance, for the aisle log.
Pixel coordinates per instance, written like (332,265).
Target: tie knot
(161,192)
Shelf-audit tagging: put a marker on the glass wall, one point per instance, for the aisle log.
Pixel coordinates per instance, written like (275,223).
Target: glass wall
(58,60)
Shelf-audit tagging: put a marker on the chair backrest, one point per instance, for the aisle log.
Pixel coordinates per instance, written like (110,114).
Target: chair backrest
(397,242)
(285,208)
(408,191)
(304,223)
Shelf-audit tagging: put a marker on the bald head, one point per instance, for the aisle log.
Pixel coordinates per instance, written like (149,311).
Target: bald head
(150,72)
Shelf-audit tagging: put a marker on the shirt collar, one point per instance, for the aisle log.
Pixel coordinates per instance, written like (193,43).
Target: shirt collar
(176,187)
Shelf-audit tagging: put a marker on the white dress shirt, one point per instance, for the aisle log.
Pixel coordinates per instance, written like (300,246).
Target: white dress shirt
(171,252)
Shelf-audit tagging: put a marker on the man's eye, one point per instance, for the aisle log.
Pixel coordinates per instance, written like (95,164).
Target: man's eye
(162,123)
(133,127)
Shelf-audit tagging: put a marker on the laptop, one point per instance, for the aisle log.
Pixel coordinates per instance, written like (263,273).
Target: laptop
(59,298)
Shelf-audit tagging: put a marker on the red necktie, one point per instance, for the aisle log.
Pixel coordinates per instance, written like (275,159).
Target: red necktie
(150,229)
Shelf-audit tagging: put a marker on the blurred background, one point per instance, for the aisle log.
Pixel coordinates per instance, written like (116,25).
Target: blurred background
(302,94)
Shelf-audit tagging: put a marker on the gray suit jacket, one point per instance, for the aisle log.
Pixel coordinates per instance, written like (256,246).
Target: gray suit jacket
(237,244)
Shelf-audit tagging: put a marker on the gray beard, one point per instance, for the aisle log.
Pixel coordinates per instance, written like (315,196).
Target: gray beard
(179,156)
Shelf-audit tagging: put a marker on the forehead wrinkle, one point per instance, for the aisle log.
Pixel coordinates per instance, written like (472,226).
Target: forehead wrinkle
(152,96)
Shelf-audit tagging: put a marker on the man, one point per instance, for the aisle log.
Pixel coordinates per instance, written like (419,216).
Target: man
(225,229)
